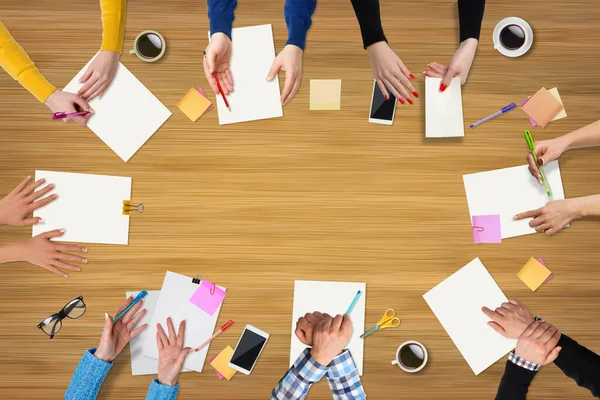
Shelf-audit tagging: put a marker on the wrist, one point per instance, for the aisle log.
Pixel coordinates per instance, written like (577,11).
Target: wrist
(12,252)
(99,354)
(322,359)
(588,206)
(50,97)
(168,382)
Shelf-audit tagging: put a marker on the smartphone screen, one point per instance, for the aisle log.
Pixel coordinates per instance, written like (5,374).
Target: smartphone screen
(248,349)
(380,107)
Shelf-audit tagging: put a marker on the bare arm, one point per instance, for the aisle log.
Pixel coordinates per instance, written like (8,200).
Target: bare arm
(588,136)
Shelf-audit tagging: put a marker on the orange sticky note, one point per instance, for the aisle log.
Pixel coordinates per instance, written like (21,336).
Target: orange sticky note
(193,104)
(221,363)
(533,274)
(542,107)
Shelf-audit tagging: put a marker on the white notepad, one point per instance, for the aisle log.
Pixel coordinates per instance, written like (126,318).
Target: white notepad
(443,110)
(88,207)
(174,302)
(253,98)
(511,191)
(332,298)
(457,302)
(140,364)
(127,115)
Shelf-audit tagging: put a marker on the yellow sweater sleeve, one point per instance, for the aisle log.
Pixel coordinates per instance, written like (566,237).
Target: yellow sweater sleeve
(113,24)
(15,61)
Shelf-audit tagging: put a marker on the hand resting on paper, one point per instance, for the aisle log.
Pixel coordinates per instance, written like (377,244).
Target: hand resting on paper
(99,75)
(555,215)
(171,353)
(460,65)
(60,101)
(306,326)
(510,319)
(390,73)
(216,60)
(330,338)
(290,61)
(22,201)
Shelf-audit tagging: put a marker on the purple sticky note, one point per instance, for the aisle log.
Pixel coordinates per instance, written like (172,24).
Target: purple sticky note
(544,264)
(209,107)
(208,297)
(522,104)
(218,373)
(486,229)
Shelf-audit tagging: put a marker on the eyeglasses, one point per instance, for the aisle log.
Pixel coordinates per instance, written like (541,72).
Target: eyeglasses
(73,309)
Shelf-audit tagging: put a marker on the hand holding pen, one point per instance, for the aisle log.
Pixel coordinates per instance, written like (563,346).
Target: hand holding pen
(217,57)
(545,151)
(68,103)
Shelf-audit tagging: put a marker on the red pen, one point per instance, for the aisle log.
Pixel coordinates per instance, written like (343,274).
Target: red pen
(61,115)
(221,330)
(221,91)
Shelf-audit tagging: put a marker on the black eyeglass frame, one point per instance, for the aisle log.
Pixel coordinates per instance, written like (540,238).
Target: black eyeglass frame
(62,315)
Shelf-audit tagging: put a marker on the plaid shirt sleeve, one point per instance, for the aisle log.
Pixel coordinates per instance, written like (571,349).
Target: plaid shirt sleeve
(343,379)
(521,362)
(299,378)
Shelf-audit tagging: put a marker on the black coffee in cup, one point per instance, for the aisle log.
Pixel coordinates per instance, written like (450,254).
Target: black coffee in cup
(411,356)
(512,37)
(149,46)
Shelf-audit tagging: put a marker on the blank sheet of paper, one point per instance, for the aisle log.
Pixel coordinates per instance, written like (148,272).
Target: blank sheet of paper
(174,301)
(127,115)
(511,191)
(253,98)
(88,207)
(457,302)
(443,110)
(332,298)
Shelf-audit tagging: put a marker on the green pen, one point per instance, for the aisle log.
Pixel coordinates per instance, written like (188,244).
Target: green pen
(531,145)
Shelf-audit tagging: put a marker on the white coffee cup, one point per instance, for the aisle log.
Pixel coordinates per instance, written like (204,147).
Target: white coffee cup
(513,37)
(411,356)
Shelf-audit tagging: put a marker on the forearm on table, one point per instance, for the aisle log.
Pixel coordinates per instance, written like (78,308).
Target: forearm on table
(369,18)
(470,16)
(298,18)
(10,252)
(588,136)
(589,206)
(113,24)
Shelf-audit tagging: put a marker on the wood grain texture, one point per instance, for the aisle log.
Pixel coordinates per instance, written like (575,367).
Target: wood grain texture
(314,195)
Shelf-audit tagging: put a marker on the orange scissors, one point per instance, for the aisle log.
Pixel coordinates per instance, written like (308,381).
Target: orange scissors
(389,320)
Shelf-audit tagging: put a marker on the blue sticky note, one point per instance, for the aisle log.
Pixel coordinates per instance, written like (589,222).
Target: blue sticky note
(486,229)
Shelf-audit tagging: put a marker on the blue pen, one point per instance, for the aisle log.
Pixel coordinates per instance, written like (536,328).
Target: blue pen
(486,119)
(137,299)
(353,302)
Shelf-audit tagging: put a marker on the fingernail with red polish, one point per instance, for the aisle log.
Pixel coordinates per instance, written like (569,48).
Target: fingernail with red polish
(387,97)
(401,101)
(409,101)
(443,87)
(411,76)
(415,94)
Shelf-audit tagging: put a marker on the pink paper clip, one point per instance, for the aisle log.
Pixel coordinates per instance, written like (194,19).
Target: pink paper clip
(212,290)
(479,228)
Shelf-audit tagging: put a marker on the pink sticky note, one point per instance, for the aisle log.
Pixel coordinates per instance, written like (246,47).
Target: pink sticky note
(208,297)
(218,373)
(486,229)
(533,123)
(544,264)
(210,107)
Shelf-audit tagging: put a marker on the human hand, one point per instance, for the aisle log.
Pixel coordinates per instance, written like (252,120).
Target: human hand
(19,203)
(41,251)
(546,151)
(289,60)
(391,73)
(99,75)
(460,65)
(306,325)
(115,336)
(171,353)
(60,101)
(538,343)
(510,319)
(216,60)
(554,216)
(330,338)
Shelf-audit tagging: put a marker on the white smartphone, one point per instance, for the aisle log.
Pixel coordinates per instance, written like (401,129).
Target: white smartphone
(249,347)
(382,110)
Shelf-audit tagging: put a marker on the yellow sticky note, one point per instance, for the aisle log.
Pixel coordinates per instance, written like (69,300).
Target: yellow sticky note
(325,94)
(193,104)
(533,274)
(221,363)
(562,113)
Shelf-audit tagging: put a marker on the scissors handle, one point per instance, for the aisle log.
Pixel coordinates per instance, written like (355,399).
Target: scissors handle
(389,314)
(392,323)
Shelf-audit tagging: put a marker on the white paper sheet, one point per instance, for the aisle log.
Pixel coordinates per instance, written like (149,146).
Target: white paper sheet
(88,207)
(127,115)
(511,191)
(140,364)
(253,98)
(443,110)
(332,298)
(457,302)
(173,302)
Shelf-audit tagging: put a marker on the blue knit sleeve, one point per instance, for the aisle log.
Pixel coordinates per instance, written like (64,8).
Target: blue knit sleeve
(298,18)
(88,377)
(162,392)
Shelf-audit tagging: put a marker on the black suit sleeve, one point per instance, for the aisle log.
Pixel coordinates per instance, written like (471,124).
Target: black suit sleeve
(515,382)
(470,15)
(580,364)
(369,18)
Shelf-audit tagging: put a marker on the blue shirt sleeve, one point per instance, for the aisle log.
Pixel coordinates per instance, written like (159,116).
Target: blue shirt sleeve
(162,392)
(88,377)
(221,16)
(298,18)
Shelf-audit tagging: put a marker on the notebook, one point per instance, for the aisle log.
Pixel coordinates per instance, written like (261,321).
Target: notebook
(332,298)
(253,97)
(457,302)
(443,110)
(511,191)
(88,207)
(126,115)
(173,302)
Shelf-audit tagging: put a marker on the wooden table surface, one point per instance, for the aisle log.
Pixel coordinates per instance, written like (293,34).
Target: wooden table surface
(314,195)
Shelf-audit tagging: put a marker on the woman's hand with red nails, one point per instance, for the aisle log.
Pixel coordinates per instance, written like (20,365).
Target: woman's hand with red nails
(546,151)
(390,72)
(460,65)
(18,204)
